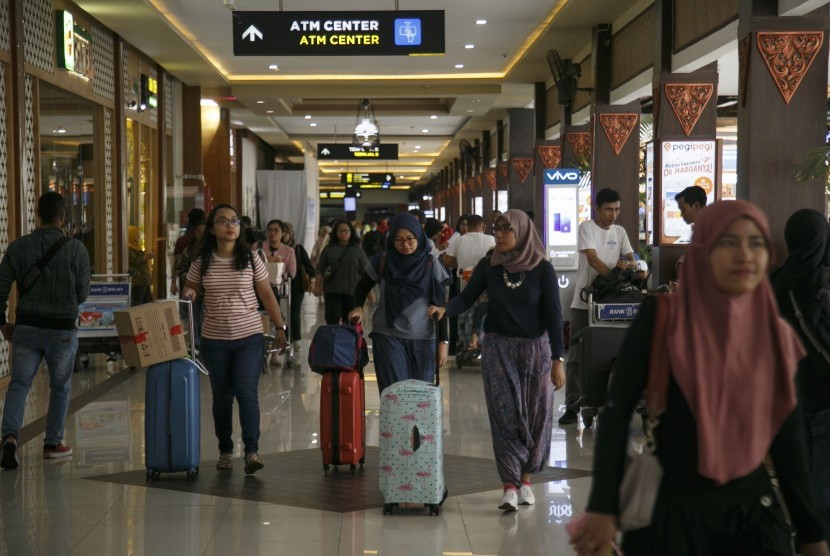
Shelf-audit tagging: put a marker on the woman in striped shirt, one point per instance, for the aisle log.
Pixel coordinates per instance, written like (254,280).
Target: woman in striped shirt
(232,344)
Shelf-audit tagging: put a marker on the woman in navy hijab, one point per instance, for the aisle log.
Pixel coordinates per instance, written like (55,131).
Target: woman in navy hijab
(411,279)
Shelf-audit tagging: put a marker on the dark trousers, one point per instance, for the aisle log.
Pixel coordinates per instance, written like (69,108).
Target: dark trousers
(235,367)
(573,386)
(338,306)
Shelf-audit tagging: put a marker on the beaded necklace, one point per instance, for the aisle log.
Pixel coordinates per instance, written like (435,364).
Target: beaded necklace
(508,283)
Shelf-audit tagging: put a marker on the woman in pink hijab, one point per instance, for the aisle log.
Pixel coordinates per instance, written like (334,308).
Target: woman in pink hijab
(731,401)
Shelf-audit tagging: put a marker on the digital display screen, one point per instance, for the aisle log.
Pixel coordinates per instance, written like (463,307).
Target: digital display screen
(349,204)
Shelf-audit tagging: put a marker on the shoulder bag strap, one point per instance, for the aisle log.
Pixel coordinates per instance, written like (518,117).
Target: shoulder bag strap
(800,316)
(27,282)
(658,368)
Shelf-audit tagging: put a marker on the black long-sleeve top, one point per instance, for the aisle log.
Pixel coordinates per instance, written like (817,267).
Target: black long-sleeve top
(524,312)
(677,447)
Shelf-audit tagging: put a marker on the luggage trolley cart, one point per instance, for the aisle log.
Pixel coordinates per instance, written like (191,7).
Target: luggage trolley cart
(599,345)
(96,323)
(283,290)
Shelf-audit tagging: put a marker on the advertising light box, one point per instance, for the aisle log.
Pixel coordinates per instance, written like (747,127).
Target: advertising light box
(347,33)
(562,216)
(683,164)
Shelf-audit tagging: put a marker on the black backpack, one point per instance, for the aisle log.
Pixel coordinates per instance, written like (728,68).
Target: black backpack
(614,287)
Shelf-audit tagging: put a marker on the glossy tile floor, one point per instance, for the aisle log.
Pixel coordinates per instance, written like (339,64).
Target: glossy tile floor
(50,507)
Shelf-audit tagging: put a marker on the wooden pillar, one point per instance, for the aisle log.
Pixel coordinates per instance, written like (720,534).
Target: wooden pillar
(192,145)
(685,109)
(616,160)
(782,109)
(520,173)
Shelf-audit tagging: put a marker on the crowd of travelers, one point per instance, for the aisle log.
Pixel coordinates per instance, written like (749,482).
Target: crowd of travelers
(744,353)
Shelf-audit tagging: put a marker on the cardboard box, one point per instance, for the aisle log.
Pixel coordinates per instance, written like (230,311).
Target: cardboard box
(151,333)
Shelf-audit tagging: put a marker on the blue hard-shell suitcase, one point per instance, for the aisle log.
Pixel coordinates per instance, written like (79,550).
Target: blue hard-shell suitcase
(171,421)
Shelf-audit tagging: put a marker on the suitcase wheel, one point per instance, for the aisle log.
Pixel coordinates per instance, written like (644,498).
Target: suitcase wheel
(191,475)
(352,468)
(387,509)
(152,475)
(361,461)
(326,469)
(434,509)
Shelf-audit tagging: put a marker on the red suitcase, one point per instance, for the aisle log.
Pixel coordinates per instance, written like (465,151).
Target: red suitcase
(342,421)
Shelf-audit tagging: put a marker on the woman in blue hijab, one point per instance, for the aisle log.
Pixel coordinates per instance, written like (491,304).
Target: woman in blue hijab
(411,279)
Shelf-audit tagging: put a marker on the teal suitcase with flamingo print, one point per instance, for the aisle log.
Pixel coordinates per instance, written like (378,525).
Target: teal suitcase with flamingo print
(411,463)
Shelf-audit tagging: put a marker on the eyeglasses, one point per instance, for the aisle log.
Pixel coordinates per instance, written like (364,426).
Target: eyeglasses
(411,240)
(502,229)
(275,230)
(222,221)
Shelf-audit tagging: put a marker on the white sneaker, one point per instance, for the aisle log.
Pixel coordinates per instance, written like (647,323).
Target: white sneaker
(509,500)
(526,497)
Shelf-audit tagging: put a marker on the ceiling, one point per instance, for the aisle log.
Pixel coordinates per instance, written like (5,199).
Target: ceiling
(423,103)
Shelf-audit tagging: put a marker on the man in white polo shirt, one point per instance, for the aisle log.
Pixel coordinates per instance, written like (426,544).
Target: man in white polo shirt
(602,245)
(468,249)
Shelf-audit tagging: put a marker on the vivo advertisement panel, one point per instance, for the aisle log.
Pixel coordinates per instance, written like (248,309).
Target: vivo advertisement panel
(562,216)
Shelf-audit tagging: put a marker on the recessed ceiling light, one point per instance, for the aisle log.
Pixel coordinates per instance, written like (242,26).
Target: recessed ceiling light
(468,46)
(424,131)
(470,111)
(313,124)
(459,66)
(269,111)
(260,102)
(417,146)
(481,22)
(400,177)
(274,67)
(308,116)
(433,117)
(477,100)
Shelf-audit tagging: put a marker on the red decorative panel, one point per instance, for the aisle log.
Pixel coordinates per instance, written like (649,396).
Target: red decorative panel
(582,145)
(618,128)
(490,177)
(471,182)
(688,101)
(551,155)
(503,170)
(522,166)
(788,57)
(478,183)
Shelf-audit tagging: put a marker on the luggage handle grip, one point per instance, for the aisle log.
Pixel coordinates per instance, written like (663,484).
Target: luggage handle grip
(199,365)
(437,348)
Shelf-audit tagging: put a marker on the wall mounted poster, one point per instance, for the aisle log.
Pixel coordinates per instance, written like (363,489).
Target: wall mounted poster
(683,164)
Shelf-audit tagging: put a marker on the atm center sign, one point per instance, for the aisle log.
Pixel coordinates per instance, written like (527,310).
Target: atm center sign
(383,33)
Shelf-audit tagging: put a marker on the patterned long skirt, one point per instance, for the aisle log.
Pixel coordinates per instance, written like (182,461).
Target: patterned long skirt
(519,396)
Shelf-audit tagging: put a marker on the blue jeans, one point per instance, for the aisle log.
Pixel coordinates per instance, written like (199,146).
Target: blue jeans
(235,367)
(31,345)
(398,359)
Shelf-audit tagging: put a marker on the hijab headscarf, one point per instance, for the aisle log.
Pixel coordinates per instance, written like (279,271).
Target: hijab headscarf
(732,356)
(407,277)
(528,251)
(134,237)
(807,234)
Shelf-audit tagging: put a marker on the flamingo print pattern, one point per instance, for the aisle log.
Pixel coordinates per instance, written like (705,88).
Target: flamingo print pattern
(411,461)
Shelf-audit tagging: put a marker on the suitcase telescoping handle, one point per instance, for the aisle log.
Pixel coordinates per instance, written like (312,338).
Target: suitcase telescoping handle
(437,348)
(199,365)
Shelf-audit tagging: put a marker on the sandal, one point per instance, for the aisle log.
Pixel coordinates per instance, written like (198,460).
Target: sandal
(225,462)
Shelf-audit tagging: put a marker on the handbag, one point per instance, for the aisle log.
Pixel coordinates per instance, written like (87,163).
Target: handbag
(643,474)
(331,269)
(275,269)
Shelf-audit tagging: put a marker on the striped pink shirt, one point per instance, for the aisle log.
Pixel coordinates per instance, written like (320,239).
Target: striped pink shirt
(230,300)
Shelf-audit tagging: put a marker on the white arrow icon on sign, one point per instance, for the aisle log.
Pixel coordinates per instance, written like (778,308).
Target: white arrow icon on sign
(252,32)
(388,177)
(325,152)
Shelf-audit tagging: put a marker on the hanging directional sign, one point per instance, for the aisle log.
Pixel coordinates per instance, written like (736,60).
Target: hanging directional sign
(382,33)
(383,181)
(347,151)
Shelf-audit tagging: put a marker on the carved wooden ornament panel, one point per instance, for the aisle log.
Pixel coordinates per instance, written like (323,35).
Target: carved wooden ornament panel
(582,145)
(551,155)
(503,170)
(522,166)
(618,128)
(788,57)
(688,101)
(490,176)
